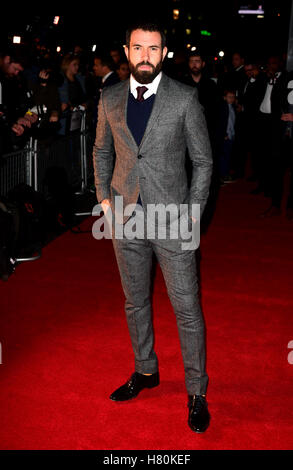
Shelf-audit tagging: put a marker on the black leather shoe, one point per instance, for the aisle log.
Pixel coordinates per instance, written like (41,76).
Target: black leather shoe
(198,416)
(134,385)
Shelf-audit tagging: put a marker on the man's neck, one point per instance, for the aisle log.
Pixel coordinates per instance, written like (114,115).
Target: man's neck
(196,78)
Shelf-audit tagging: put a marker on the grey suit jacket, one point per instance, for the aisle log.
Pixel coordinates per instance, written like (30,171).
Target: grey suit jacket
(155,169)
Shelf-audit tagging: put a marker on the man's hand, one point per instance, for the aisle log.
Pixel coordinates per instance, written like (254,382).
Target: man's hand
(17,129)
(24,122)
(105,205)
(32,117)
(287,117)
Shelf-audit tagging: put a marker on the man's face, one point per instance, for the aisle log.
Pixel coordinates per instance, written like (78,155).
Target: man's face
(237,60)
(196,64)
(11,69)
(145,55)
(123,71)
(98,68)
(230,98)
(73,67)
(115,55)
(273,65)
(249,70)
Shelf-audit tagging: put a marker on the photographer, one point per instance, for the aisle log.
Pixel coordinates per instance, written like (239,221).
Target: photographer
(15,101)
(46,99)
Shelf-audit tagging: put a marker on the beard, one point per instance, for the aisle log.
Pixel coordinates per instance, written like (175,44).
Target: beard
(195,71)
(144,76)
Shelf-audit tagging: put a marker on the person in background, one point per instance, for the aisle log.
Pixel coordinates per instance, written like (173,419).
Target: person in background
(122,70)
(245,132)
(104,69)
(235,78)
(283,159)
(206,88)
(269,127)
(226,121)
(116,54)
(15,100)
(72,92)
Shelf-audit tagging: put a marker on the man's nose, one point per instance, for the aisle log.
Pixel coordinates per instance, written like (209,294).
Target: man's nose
(145,55)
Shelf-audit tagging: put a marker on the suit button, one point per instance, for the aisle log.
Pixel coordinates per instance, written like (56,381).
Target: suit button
(139,156)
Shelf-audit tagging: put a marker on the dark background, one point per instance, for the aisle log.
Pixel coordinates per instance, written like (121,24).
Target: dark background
(104,23)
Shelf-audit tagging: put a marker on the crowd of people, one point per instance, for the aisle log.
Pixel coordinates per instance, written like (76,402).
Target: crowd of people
(248,106)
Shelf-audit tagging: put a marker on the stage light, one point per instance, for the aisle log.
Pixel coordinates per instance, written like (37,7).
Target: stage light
(58,49)
(94,48)
(56,20)
(221,53)
(193,48)
(188,31)
(188,46)
(170,55)
(16,40)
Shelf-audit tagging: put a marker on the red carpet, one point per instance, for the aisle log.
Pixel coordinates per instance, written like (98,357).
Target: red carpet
(65,344)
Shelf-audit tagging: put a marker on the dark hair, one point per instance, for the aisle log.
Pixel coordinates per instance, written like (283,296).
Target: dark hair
(229,90)
(196,53)
(150,26)
(17,55)
(106,59)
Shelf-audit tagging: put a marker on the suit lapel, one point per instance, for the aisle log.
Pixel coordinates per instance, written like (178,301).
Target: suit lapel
(122,115)
(160,100)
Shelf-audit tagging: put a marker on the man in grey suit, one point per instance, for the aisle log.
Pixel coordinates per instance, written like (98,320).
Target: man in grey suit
(148,122)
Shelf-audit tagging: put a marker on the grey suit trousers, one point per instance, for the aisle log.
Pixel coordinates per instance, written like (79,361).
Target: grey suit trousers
(134,258)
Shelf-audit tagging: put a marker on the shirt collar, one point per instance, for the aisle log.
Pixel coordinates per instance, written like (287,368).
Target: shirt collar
(106,76)
(151,87)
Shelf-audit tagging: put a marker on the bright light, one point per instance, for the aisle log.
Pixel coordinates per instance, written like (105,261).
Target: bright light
(94,47)
(16,39)
(175,14)
(246,11)
(204,32)
(170,55)
(188,45)
(58,49)
(221,53)
(193,48)
(56,19)
(188,31)
(260,16)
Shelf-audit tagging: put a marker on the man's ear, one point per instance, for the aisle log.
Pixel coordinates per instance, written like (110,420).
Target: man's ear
(165,50)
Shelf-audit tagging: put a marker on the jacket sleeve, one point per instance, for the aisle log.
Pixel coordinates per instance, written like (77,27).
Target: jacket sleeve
(200,153)
(103,154)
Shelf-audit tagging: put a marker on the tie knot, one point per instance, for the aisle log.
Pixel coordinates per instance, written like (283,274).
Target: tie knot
(140,92)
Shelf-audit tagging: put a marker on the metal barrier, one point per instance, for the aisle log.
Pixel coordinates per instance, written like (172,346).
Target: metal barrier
(72,153)
(16,168)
